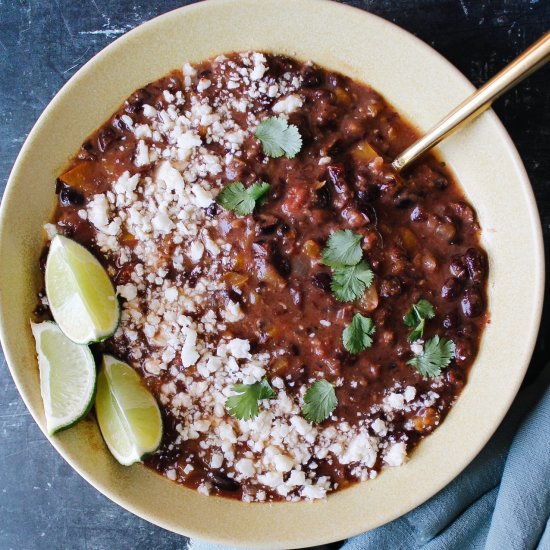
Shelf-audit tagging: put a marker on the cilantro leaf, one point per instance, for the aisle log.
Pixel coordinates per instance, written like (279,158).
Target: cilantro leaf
(244,405)
(350,282)
(240,199)
(343,248)
(416,317)
(279,138)
(357,336)
(437,355)
(319,401)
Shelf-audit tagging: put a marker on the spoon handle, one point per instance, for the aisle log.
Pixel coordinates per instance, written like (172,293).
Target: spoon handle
(529,61)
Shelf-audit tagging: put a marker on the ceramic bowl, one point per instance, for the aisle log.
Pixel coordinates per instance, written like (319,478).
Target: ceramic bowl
(422,86)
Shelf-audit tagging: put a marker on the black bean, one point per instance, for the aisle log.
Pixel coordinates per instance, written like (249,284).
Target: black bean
(133,106)
(464,211)
(451,320)
(282,229)
(418,215)
(69,196)
(337,177)
(390,287)
(368,210)
(279,65)
(321,280)
(119,124)
(233,295)
(322,198)
(451,289)
(311,77)
(86,151)
(441,182)
(472,302)
(212,210)
(135,103)
(336,149)
(475,260)
(369,193)
(105,138)
(458,268)
(405,198)
(281,263)
(267,223)
(222,482)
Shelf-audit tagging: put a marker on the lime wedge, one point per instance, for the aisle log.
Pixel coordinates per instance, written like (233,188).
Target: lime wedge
(81,296)
(67,376)
(127,413)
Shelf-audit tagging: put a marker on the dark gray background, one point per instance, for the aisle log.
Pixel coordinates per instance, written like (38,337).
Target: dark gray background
(43,503)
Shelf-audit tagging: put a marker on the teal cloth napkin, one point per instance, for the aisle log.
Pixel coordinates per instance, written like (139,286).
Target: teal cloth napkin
(501,501)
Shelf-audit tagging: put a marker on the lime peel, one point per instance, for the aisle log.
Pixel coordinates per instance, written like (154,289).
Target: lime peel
(80,294)
(67,377)
(127,413)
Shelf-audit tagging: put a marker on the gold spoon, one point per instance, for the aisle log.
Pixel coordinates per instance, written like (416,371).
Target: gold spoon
(529,61)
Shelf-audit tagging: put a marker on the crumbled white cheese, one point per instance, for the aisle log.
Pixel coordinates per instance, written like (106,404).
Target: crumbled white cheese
(189,353)
(288,105)
(410,393)
(51,230)
(396,454)
(127,291)
(203,84)
(142,154)
(417,347)
(196,250)
(203,198)
(245,467)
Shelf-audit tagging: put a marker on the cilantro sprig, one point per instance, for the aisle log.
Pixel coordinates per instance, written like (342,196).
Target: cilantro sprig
(416,318)
(357,336)
(279,138)
(343,249)
(350,282)
(244,405)
(240,199)
(351,275)
(319,401)
(436,355)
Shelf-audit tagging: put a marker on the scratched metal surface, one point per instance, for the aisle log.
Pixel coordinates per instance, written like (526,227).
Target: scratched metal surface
(43,503)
